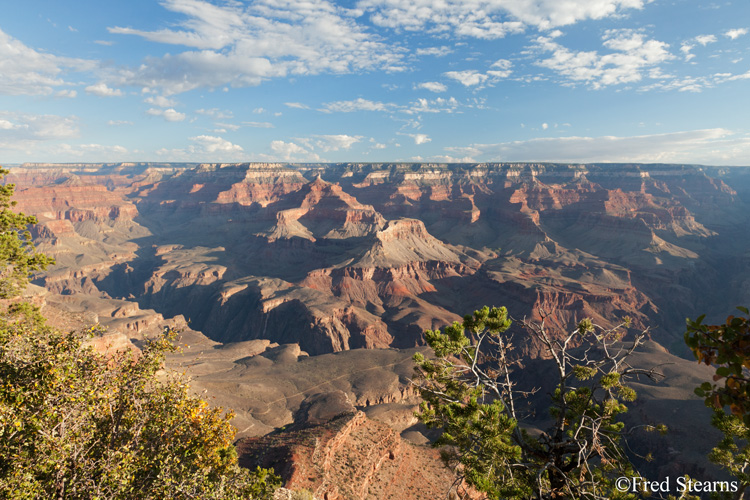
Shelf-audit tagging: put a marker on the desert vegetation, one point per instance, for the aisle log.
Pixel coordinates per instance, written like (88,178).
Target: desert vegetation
(472,395)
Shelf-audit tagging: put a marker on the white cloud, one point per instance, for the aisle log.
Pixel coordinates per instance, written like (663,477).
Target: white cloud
(431,86)
(170,114)
(28,136)
(435,51)
(358,104)
(336,142)
(205,148)
(213,144)
(419,138)
(24,71)
(439,105)
(685,48)
(545,126)
(215,113)
(289,151)
(258,124)
(31,127)
(489,19)
(116,123)
(296,105)
(632,55)
(242,45)
(467,78)
(502,68)
(451,159)
(735,33)
(710,146)
(230,126)
(102,90)
(66,93)
(421,105)
(705,39)
(470,78)
(161,101)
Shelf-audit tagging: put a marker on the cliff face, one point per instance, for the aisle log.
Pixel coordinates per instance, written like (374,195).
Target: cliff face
(350,458)
(366,255)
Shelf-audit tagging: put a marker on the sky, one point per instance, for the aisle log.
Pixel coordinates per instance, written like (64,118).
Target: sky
(651,81)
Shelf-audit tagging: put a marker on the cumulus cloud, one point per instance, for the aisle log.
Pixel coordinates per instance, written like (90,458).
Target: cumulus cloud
(500,69)
(735,33)
(686,48)
(26,71)
(358,104)
(489,19)
(290,151)
(170,114)
(632,55)
(431,86)
(243,45)
(705,39)
(467,78)
(439,105)
(102,90)
(435,51)
(214,144)
(419,138)
(711,146)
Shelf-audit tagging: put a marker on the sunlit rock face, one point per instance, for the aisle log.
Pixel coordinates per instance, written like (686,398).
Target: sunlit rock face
(336,257)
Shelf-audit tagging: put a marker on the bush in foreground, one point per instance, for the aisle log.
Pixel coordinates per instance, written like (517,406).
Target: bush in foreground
(76,423)
(470,392)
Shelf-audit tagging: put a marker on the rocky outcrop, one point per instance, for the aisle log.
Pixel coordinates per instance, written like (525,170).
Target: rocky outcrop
(350,458)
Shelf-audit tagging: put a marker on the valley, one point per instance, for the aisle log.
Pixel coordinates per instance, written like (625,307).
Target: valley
(296,282)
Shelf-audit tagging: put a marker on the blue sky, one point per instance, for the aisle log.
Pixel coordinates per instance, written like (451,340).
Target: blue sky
(375,80)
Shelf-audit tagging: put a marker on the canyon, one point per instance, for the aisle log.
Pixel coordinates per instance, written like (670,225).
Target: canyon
(296,282)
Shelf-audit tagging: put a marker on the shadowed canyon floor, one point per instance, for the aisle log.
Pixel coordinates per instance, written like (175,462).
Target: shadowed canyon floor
(278,274)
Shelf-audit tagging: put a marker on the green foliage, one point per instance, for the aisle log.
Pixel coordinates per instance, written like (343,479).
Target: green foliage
(469,393)
(17,254)
(733,451)
(727,347)
(78,424)
(303,494)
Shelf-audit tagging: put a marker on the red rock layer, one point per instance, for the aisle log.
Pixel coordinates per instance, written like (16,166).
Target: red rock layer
(351,458)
